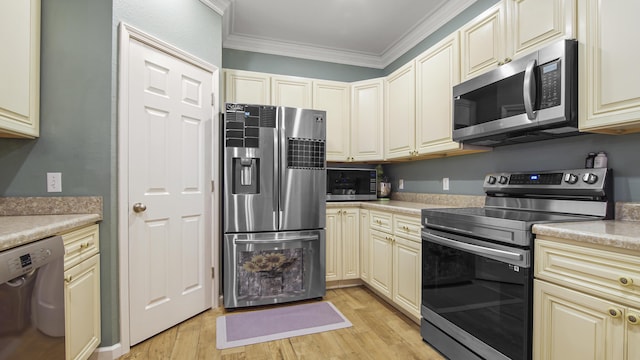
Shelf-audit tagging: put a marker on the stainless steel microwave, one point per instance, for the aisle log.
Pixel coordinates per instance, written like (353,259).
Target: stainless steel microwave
(351,184)
(532,98)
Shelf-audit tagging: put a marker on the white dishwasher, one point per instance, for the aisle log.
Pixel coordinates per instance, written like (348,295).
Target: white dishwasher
(32,301)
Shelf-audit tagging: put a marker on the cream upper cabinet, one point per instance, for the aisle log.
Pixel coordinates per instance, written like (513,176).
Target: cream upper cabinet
(609,91)
(533,23)
(335,98)
(437,71)
(247,87)
(291,91)
(483,42)
(367,114)
(20,68)
(512,28)
(399,113)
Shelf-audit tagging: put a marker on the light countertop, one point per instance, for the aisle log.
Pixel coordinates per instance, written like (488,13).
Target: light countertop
(401,207)
(23,229)
(614,233)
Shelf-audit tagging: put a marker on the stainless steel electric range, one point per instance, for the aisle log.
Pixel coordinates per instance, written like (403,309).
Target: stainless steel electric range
(477,277)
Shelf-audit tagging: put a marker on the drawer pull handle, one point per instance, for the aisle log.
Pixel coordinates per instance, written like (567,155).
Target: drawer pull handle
(625,281)
(615,313)
(68,279)
(84,245)
(633,319)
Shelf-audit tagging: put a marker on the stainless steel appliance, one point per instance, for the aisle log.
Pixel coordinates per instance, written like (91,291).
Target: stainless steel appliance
(32,301)
(351,184)
(529,99)
(274,204)
(477,277)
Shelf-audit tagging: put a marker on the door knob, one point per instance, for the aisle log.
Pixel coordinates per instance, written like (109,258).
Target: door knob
(139,207)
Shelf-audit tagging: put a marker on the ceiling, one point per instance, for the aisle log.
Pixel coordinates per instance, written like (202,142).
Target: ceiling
(369,33)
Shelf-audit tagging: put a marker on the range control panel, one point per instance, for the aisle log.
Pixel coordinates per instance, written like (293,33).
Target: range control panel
(570,182)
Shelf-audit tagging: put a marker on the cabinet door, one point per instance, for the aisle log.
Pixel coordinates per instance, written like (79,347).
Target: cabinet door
(399,113)
(366,120)
(20,68)
(437,71)
(483,42)
(407,274)
(381,262)
(335,98)
(82,308)
(291,91)
(247,87)
(633,333)
(365,243)
(350,244)
(333,231)
(609,95)
(533,23)
(569,325)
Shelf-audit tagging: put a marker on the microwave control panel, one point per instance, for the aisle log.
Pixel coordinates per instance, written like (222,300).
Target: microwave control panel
(551,84)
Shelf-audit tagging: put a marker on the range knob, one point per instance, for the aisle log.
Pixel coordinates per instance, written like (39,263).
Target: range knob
(570,178)
(491,179)
(503,180)
(590,178)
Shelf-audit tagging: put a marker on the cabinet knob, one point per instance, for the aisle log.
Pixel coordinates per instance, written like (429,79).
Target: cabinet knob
(68,279)
(625,281)
(614,313)
(507,60)
(139,207)
(633,319)
(500,63)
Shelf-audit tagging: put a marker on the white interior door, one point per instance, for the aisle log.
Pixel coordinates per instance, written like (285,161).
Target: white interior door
(169,120)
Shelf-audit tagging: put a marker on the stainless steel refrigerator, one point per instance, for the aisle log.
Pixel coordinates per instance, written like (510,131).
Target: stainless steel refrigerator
(274,204)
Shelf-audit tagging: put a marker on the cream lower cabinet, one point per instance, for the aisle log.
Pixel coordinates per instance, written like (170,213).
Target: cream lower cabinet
(342,244)
(586,302)
(20,68)
(395,253)
(82,292)
(365,246)
(609,95)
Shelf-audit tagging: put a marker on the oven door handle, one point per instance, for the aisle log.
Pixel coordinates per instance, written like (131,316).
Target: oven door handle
(474,249)
(274,240)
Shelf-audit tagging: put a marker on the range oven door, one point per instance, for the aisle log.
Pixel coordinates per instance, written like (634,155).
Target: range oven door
(275,267)
(478,293)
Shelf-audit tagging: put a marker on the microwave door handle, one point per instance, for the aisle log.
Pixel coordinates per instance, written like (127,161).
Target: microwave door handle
(529,89)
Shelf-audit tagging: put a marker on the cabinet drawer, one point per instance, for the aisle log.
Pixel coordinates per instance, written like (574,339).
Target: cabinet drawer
(381,221)
(80,244)
(598,272)
(407,227)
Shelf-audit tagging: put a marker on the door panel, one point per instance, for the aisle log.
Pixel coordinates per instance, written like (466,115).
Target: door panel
(169,129)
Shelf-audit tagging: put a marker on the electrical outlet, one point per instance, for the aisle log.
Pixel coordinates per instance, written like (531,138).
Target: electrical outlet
(445,184)
(54,182)
(400,184)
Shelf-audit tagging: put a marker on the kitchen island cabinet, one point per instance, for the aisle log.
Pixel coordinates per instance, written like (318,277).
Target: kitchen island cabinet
(609,95)
(20,69)
(81,291)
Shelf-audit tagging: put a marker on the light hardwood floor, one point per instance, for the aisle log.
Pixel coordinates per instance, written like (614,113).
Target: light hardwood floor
(379,332)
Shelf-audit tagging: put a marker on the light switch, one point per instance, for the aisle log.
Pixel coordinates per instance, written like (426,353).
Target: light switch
(54,182)
(445,184)
(401,184)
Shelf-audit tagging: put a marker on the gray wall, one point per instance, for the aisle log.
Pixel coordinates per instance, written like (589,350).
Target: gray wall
(466,173)
(78,108)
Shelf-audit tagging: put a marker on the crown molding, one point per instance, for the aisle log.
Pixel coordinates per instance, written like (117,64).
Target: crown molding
(219,6)
(428,26)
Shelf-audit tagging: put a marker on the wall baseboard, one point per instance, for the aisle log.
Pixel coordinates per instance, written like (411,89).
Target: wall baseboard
(108,352)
